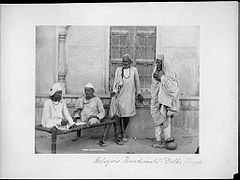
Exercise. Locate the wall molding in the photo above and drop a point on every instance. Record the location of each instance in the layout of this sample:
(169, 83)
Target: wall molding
(187, 103)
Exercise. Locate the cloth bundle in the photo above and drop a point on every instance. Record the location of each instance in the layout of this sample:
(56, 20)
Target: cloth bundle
(168, 91)
(114, 109)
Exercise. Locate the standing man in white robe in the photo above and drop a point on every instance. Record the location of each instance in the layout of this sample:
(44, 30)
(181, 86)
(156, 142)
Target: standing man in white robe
(126, 87)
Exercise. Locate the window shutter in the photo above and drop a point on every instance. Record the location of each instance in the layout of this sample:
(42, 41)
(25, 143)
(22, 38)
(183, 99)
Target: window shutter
(145, 54)
(140, 43)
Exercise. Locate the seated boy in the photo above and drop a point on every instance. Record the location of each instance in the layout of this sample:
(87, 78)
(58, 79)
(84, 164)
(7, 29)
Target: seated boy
(89, 107)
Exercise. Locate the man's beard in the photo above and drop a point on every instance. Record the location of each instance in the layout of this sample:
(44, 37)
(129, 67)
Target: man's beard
(56, 98)
(88, 96)
(126, 67)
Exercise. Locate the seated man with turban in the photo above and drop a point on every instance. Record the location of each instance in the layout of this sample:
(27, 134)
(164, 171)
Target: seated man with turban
(55, 112)
(89, 107)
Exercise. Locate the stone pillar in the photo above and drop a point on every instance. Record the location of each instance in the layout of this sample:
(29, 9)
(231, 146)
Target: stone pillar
(62, 66)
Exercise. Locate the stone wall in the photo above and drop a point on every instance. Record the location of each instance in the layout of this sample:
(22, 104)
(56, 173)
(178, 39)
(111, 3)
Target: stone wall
(46, 58)
(180, 46)
(87, 54)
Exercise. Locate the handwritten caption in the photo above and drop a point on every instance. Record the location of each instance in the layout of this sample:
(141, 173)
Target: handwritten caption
(106, 161)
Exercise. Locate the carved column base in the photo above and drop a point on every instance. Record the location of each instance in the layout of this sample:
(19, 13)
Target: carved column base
(62, 80)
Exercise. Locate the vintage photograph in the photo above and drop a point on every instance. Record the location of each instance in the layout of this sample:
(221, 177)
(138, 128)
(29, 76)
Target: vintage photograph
(117, 89)
(129, 90)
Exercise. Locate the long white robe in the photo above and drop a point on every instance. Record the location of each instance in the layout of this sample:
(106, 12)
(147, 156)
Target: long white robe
(126, 89)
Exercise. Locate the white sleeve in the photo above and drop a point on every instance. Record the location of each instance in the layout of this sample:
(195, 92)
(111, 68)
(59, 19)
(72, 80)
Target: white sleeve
(79, 103)
(137, 81)
(101, 109)
(115, 83)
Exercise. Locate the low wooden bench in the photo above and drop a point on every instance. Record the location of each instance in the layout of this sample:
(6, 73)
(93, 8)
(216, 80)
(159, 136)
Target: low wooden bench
(104, 122)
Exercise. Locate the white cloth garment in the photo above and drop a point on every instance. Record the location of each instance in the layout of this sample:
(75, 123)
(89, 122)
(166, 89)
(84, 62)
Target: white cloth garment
(90, 107)
(114, 109)
(164, 95)
(165, 130)
(53, 114)
(126, 88)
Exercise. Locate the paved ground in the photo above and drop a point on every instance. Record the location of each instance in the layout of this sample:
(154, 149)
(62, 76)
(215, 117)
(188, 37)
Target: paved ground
(68, 144)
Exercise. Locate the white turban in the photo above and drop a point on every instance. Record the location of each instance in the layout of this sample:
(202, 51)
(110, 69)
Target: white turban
(127, 56)
(89, 85)
(55, 87)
